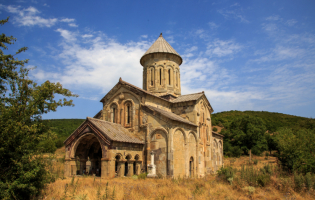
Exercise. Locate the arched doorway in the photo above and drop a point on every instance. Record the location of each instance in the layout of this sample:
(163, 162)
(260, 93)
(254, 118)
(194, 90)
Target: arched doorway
(191, 167)
(159, 147)
(89, 153)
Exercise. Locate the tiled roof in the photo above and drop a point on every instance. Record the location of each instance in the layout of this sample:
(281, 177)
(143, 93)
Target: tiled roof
(161, 46)
(113, 131)
(170, 115)
(137, 88)
(187, 97)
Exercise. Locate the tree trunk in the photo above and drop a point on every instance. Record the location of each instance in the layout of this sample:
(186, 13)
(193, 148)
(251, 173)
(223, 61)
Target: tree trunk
(250, 155)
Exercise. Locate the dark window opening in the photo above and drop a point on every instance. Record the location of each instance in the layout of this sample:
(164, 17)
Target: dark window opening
(114, 115)
(169, 77)
(160, 76)
(128, 114)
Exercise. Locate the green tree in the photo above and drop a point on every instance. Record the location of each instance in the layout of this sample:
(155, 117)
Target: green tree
(296, 149)
(22, 102)
(247, 132)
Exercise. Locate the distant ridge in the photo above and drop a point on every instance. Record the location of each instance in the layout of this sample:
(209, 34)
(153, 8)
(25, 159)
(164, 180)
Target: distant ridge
(273, 120)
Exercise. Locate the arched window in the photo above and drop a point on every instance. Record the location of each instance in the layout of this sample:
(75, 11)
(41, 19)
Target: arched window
(176, 73)
(128, 114)
(113, 113)
(152, 76)
(160, 76)
(169, 76)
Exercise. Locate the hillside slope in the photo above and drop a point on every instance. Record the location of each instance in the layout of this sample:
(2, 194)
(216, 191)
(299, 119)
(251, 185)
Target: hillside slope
(273, 120)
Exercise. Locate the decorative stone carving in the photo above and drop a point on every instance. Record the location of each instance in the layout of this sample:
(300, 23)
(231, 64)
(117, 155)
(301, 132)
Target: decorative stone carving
(121, 96)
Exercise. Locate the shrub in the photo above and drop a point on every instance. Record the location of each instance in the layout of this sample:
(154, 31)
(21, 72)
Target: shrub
(227, 173)
(59, 143)
(215, 129)
(47, 146)
(298, 181)
(255, 162)
(308, 181)
(142, 176)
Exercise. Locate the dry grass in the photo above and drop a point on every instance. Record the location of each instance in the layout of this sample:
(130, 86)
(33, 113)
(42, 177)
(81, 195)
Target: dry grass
(209, 187)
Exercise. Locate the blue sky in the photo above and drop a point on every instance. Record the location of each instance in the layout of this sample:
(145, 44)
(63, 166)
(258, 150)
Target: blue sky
(245, 55)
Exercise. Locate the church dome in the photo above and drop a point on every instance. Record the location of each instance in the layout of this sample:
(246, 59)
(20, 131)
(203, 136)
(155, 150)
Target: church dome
(161, 46)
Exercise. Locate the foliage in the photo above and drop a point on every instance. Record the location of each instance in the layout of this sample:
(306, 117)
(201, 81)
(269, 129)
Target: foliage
(296, 149)
(227, 173)
(22, 102)
(246, 132)
(273, 121)
(142, 176)
(215, 129)
(62, 129)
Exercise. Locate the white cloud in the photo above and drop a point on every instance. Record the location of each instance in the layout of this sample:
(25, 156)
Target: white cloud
(73, 25)
(87, 35)
(291, 22)
(67, 35)
(144, 36)
(67, 20)
(235, 13)
(98, 66)
(223, 48)
(28, 17)
(213, 25)
(273, 18)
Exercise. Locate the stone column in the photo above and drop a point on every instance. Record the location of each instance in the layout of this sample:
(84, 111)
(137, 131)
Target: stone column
(121, 168)
(130, 168)
(151, 167)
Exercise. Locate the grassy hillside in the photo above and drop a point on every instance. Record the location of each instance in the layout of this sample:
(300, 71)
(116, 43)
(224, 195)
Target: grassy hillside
(64, 127)
(273, 120)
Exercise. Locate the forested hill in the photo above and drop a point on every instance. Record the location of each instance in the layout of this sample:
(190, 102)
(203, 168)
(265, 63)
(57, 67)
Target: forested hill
(64, 127)
(273, 120)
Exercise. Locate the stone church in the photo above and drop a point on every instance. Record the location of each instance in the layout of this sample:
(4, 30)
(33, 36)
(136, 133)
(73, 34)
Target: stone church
(157, 119)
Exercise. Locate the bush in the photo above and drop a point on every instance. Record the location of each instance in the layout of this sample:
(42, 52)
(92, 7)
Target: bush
(47, 146)
(215, 129)
(308, 181)
(142, 176)
(298, 181)
(227, 173)
(255, 162)
(59, 143)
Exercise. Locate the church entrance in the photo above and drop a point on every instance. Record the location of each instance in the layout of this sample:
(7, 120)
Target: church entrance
(191, 167)
(88, 156)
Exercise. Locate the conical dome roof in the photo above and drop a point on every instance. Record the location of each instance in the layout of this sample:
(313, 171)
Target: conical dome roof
(161, 46)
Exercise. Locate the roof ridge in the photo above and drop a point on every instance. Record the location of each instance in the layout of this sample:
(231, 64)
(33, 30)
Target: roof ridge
(191, 94)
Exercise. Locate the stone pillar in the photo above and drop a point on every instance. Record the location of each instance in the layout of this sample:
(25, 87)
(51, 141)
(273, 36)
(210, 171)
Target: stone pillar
(130, 168)
(105, 168)
(121, 168)
(138, 167)
(151, 167)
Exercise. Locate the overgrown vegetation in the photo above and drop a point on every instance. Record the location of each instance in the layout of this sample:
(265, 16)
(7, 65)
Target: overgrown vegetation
(290, 138)
(22, 102)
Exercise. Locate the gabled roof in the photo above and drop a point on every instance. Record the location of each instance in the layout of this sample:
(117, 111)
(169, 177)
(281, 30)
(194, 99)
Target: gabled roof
(115, 132)
(169, 115)
(161, 46)
(187, 97)
(108, 130)
(132, 86)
